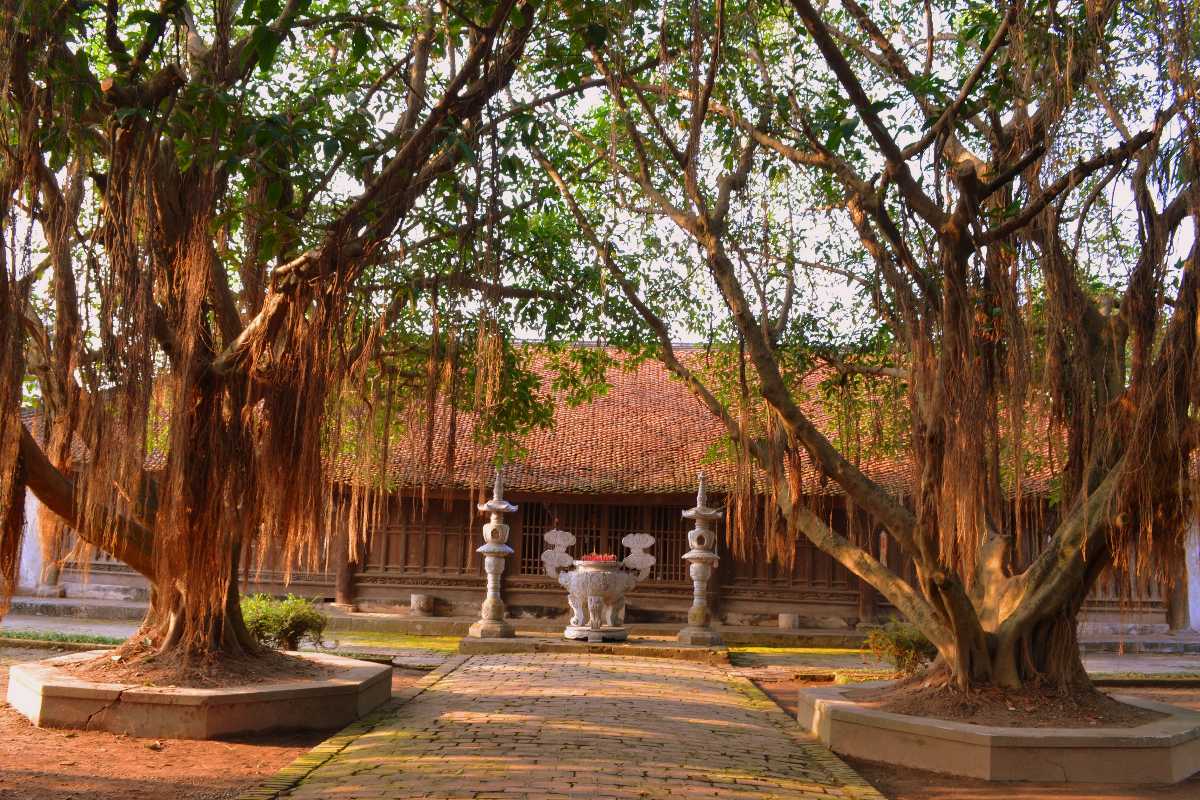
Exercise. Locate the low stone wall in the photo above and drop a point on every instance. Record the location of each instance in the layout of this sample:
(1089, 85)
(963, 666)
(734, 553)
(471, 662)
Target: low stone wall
(1164, 751)
(52, 697)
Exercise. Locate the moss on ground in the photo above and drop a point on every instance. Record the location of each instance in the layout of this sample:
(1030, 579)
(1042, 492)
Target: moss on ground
(394, 641)
(798, 651)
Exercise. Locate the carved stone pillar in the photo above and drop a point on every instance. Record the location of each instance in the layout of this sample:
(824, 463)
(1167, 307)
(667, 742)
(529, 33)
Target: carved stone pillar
(495, 552)
(702, 562)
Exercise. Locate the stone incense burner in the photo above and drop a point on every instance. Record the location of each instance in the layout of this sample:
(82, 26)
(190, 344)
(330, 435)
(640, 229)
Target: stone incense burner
(596, 588)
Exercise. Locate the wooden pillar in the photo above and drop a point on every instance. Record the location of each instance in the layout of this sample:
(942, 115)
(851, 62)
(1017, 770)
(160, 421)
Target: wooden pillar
(344, 569)
(866, 601)
(1178, 618)
(866, 592)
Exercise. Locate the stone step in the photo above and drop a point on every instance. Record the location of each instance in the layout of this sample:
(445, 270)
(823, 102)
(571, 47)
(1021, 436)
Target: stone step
(77, 607)
(106, 591)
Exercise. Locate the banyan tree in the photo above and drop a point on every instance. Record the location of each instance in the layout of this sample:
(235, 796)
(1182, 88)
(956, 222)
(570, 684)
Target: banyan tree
(986, 212)
(238, 235)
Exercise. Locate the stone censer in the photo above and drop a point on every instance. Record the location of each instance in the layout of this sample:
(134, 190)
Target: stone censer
(596, 585)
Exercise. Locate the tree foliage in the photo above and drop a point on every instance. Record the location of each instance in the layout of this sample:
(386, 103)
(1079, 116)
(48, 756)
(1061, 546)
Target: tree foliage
(261, 229)
(1008, 195)
(967, 228)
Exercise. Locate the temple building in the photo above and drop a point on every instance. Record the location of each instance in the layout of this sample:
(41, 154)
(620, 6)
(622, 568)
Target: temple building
(625, 462)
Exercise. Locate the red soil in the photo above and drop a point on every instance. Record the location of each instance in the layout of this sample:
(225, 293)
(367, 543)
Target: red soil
(131, 664)
(1032, 708)
(47, 764)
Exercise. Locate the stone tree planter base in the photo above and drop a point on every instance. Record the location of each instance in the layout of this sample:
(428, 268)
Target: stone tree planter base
(1164, 751)
(52, 697)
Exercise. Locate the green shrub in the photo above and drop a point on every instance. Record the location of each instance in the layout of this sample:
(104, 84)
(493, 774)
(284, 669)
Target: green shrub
(283, 623)
(902, 645)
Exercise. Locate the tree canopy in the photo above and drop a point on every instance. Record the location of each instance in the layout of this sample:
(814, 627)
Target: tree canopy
(268, 226)
(1009, 193)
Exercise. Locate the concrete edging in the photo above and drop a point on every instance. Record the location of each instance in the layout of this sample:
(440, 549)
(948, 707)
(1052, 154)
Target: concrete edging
(53, 698)
(290, 776)
(1162, 751)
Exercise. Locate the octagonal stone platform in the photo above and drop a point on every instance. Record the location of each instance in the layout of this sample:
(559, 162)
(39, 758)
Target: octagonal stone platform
(1166, 750)
(52, 697)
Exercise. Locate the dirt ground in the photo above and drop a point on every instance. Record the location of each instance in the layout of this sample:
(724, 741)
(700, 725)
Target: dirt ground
(899, 783)
(1034, 708)
(47, 764)
(136, 664)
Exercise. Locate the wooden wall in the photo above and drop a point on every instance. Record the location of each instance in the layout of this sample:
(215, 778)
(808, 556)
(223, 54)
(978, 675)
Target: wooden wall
(428, 546)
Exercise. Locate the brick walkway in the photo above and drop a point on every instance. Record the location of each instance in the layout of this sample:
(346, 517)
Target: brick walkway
(564, 726)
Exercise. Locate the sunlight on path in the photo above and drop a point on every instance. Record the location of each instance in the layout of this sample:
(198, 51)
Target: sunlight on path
(540, 726)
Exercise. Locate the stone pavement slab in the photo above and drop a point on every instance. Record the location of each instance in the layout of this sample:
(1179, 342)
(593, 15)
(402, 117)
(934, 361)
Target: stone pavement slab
(565, 726)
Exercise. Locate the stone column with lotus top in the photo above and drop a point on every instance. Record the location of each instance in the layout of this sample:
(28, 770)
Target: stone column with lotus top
(495, 552)
(702, 562)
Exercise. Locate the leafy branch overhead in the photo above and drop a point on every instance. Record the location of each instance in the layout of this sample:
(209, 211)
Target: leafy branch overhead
(954, 202)
(259, 223)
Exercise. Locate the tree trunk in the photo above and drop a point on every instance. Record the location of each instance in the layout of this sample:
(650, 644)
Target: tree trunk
(1046, 654)
(171, 630)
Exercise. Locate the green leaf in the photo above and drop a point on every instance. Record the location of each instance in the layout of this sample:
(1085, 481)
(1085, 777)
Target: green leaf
(268, 10)
(264, 44)
(146, 16)
(360, 43)
(595, 35)
(835, 138)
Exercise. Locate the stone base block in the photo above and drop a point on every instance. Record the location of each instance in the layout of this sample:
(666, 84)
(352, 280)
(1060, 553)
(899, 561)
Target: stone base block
(602, 634)
(52, 697)
(491, 629)
(1164, 751)
(701, 636)
(420, 605)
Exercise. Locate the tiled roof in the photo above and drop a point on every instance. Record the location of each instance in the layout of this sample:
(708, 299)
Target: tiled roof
(647, 435)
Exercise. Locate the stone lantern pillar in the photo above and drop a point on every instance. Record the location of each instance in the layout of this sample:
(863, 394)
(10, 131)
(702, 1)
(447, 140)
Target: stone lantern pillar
(702, 562)
(495, 551)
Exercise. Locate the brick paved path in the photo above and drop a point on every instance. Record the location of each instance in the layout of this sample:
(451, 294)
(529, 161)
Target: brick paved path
(561, 726)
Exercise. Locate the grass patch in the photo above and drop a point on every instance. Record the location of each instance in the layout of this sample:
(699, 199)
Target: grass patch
(54, 636)
(755, 656)
(396, 641)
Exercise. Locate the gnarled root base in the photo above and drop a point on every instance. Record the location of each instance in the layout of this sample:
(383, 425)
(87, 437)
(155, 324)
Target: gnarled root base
(1046, 655)
(200, 651)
